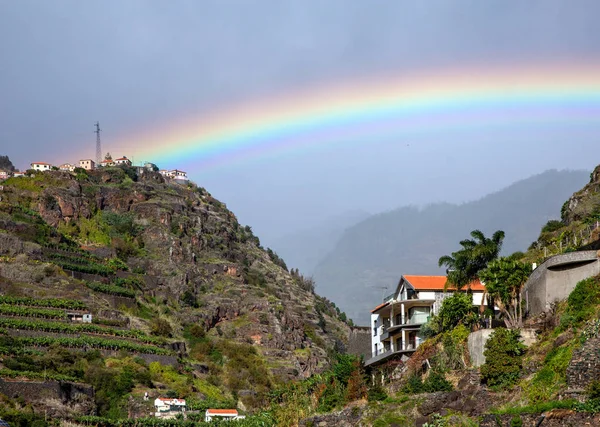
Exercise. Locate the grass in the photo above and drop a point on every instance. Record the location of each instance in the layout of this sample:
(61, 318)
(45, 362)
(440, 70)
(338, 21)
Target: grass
(537, 408)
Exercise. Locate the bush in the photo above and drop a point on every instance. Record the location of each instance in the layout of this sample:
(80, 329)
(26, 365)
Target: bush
(161, 328)
(436, 381)
(582, 301)
(552, 225)
(376, 394)
(455, 309)
(503, 358)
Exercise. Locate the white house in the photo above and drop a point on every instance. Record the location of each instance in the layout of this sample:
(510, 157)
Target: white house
(396, 322)
(17, 174)
(168, 408)
(178, 175)
(67, 167)
(4, 174)
(108, 161)
(222, 414)
(87, 164)
(41, 166)
(80, 317)
(123, 161)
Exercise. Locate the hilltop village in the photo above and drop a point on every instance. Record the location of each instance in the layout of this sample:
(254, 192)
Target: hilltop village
(89, 164)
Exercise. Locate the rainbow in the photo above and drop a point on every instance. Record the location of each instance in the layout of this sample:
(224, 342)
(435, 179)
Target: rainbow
(470, 99)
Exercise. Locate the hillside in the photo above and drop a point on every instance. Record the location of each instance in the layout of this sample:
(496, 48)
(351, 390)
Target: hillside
(184, 300)
(374, 253)
(577, 227)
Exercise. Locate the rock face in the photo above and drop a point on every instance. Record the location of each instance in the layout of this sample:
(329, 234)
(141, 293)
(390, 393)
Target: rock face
(349, 417)
(556, 418)
(198, 261)
(584, 366)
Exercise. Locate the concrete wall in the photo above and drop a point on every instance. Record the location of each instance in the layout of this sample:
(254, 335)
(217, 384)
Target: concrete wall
(476, 343)
(359, 341)
(555, 279)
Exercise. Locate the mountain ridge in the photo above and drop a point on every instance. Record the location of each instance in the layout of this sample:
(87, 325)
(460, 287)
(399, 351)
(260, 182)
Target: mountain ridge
(376, 251)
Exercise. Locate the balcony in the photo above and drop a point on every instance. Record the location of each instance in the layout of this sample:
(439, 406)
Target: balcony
(388, 331)
(407, 347)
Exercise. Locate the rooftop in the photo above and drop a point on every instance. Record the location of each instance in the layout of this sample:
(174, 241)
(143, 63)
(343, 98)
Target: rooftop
(437, 283)
(222, 411)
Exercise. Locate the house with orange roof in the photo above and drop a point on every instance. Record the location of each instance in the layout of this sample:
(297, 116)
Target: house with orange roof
(123, 161)
(222, 414)
(397, 320)
(168, 408)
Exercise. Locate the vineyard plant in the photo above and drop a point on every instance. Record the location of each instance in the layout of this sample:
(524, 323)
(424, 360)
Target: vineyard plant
(93, 342)
(67, 304)
(70, 328)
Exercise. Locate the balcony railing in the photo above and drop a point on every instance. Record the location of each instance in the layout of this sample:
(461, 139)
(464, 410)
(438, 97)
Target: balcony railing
(406, 346)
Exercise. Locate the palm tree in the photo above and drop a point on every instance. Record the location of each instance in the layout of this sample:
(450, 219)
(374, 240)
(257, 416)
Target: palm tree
(464, 265)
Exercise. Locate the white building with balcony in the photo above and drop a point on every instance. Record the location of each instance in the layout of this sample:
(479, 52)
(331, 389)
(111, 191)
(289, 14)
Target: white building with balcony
(396, 322)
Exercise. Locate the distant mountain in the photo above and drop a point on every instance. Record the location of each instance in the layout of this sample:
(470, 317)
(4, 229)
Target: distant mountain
(306, 248)
(375, 252)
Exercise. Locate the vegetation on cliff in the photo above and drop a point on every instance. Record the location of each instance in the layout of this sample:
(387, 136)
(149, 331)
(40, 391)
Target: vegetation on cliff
(184, 299)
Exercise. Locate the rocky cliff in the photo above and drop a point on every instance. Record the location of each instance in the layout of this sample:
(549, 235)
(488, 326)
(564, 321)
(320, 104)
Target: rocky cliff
(171, 261)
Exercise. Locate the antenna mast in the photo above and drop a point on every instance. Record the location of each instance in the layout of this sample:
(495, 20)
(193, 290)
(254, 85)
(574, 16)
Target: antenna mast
(98, 144)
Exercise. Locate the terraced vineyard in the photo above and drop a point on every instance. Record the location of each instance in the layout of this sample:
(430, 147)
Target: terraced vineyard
(93, 342)
(54, 321)
(50, 302)
(78, 328)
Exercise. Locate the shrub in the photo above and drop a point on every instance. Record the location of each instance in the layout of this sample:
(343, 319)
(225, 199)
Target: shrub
(436, 381)
(376, 394)
(552, 225)
(503, 358)
(161, 327)
(582, 301)
(454, 309)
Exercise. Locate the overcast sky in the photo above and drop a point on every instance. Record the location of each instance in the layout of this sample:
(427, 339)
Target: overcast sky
(132, 64)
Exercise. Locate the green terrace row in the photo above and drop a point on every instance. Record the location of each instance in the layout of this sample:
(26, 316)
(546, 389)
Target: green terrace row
(89, 267)
(67, 304)
(92, 342)
(73, 328)
(46, 313)
(9, 373)
(110, 289)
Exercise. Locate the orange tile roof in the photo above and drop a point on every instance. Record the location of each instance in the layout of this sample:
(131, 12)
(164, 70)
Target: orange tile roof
(222, 411)
(436, 283)
(379, 306)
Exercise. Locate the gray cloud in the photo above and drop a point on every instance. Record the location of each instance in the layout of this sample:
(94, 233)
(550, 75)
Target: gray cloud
(133, 64)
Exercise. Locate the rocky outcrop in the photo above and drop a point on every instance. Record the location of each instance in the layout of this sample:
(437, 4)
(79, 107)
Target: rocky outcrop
(199, 263)
(584, 366)
(555, 418)
(348, 417)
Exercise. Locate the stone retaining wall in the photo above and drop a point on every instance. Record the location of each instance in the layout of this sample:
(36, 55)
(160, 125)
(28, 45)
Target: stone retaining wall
(584, 366)
(36, 390)
(359, 341)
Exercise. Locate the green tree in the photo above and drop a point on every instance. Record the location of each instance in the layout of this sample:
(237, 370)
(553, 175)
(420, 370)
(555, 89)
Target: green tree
(504, 278)
(454, 309)
(503, 358)
(464, 265)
